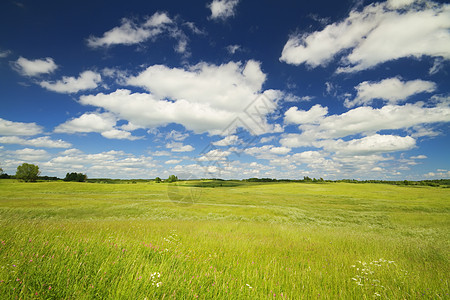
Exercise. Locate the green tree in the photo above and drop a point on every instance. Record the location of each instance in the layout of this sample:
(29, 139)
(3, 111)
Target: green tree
(27, 172)
(80, 177)
(172, 178)
(157, 180)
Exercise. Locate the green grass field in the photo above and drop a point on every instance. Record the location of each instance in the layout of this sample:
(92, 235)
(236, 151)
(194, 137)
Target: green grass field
(62, 240)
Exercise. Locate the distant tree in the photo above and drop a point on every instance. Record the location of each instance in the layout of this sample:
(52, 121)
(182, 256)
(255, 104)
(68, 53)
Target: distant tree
(79, 177)
(306, 178)
(27, 172)
(48, 178)
(157, 180)
(172, 178)
(3, 175)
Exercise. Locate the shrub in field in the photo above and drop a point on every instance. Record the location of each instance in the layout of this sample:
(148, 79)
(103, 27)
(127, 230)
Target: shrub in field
(172, 178)
(27, 172)
(79, 177)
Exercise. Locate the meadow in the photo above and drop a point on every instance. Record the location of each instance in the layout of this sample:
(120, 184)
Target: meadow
(197, 240)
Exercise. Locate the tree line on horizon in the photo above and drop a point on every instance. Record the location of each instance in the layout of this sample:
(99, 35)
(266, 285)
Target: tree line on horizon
(30, 173)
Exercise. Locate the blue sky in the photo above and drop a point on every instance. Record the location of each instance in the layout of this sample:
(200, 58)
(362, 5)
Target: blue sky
(226, 88)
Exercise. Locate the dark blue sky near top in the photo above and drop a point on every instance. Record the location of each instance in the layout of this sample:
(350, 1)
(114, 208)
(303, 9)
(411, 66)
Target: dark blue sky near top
(60, 30)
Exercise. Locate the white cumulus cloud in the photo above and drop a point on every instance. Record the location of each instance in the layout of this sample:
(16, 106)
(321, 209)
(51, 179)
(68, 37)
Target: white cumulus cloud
(373, 144)
(314, 115)
(86, 81)
(419, 157)
(131, 33)
(44, 142)
(267, 151)
(19, 128)
(215, 155)
(363, 120)
(222, 9)
(379, 33)
(227, 141)
(128, 33)
(172, 161)
(393, 90)
(202, 98)
(103, 123)
(35, 67)
(399, 3)
(179, 147)
(119, 135)
(31, 155)
(88, 122)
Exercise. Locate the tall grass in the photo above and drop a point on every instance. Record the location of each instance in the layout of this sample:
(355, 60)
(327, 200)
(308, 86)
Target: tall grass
(259, 241)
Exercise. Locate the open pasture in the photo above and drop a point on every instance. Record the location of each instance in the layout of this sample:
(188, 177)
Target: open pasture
(61, 240)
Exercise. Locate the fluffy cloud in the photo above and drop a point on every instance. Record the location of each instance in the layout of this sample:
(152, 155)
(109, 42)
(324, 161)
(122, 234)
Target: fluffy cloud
(227, 141)
(267, 139)
(158, 19)
(179, 147)
(267, 151)
(369, 145)
(4, 53)
(392, 90)
(44, 142)
(31, 155)
(367, 120)
(222, 9)
(395, 4)
(160, 153)
(232, 49)
(34, 67)
(19, 128)
(202, 98)
(419, 157)
(380, 32)
(173, 161)
(95, 122)
(440, 173)
(280, 150)
(312, 116)
(202, 80)
(215, 155)
(177, 136)
(88, 122)
(119, 135)
(86, 81)
(130, 33)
